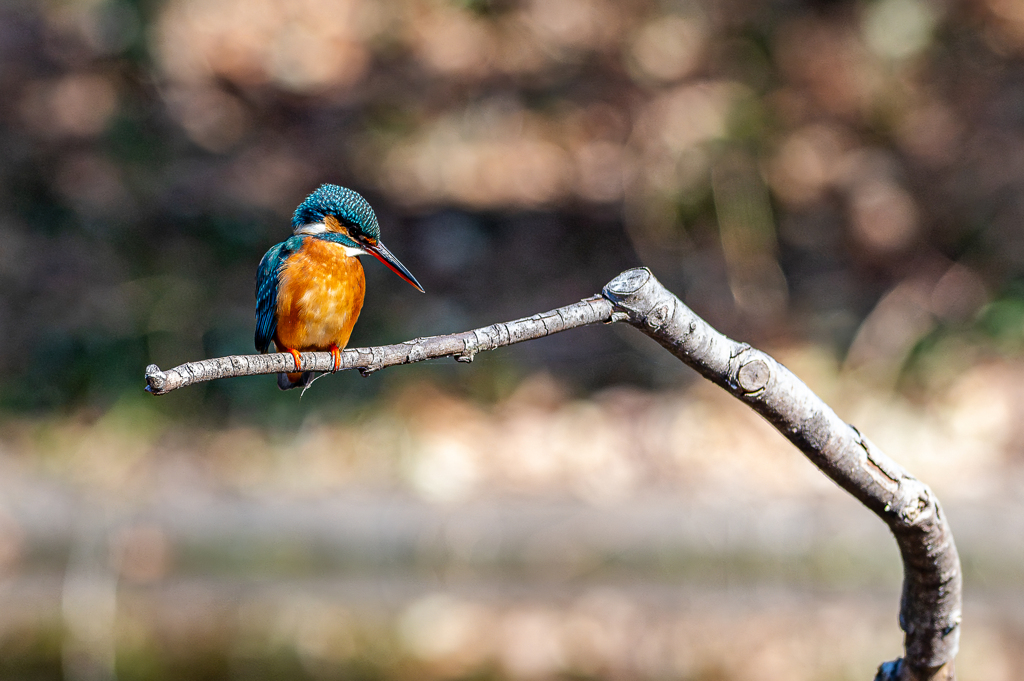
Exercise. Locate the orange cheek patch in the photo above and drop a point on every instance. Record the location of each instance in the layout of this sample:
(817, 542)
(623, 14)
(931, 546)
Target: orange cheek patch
(333, 225)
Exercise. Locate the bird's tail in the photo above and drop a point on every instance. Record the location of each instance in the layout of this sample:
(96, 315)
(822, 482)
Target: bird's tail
(296, 380)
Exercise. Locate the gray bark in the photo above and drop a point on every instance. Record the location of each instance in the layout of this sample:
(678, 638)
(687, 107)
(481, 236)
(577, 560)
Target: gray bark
(462, 346)
(931, 600)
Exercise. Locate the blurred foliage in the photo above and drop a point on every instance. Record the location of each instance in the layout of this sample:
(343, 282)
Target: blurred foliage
(787, 167)
(1003, 319)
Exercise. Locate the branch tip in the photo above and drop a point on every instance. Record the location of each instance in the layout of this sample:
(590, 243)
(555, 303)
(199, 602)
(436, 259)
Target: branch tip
(156, 379)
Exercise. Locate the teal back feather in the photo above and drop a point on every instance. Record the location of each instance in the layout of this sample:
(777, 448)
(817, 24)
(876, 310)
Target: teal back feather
(268, 279)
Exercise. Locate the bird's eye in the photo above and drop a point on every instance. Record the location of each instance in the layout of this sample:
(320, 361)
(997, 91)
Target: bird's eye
(361, 237)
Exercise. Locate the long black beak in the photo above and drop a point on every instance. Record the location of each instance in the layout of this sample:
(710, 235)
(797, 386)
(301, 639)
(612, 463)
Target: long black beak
(378, 251)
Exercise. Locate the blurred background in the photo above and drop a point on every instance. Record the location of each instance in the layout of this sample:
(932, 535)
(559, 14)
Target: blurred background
(839, 182)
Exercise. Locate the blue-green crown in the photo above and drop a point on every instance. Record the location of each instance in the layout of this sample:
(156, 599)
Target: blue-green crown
(348, 206)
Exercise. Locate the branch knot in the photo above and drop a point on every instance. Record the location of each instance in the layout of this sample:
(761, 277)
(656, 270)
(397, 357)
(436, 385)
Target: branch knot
(657, 317)
(753, 376)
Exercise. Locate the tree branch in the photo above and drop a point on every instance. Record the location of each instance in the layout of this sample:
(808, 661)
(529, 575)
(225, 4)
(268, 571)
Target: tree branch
(931, 600)
(462, 346)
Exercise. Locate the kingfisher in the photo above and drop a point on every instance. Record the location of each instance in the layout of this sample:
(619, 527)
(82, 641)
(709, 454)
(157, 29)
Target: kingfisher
(310, 288)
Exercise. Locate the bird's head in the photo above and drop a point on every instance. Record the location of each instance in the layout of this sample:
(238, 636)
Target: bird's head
(342, 216)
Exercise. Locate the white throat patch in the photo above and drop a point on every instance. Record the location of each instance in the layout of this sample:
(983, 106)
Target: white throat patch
(313, 228)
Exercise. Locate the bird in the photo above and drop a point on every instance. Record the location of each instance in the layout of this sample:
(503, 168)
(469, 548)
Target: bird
(310, 287)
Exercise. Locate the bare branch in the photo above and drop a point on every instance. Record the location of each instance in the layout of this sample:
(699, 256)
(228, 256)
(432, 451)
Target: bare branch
(462, 346)
(931, 600)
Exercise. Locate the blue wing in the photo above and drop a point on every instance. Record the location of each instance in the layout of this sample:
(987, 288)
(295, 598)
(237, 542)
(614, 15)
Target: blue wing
(267, 278)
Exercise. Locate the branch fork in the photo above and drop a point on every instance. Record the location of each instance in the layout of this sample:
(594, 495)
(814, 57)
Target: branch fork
(930, 605)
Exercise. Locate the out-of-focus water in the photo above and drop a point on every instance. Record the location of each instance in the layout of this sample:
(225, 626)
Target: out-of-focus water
(393, 587)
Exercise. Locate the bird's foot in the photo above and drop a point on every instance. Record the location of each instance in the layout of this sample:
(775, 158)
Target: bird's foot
(336, 356)
(297, 357)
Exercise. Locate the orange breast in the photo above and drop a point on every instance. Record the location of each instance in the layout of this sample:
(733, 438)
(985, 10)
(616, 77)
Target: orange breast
(319, 297)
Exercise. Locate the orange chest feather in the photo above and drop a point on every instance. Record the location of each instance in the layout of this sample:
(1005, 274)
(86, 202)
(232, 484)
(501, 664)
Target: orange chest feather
(319, 297)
